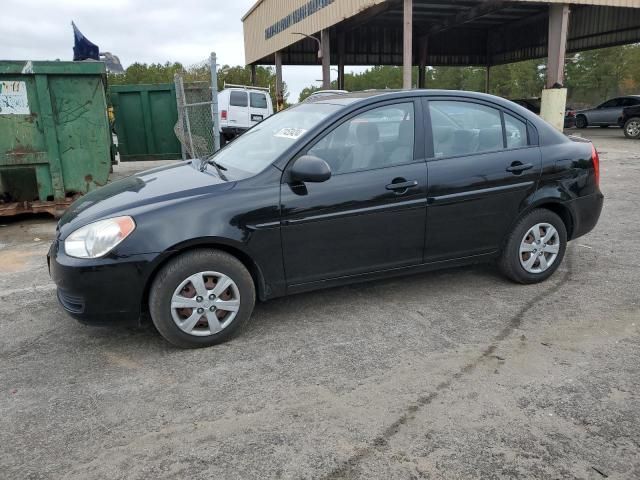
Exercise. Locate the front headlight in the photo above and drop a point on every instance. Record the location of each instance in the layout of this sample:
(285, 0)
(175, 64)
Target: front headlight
(98, 238)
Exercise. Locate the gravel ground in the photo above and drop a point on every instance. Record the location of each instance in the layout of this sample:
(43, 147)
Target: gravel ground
(453, 374)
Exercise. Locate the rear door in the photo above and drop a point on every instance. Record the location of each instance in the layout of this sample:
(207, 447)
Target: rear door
(238, 109)
(482, 167)
(258, 109)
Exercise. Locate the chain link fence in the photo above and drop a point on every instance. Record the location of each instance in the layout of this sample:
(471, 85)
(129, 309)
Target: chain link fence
(197, 115)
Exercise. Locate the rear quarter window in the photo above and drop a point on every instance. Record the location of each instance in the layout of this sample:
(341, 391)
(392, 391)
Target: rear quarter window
(238, 99)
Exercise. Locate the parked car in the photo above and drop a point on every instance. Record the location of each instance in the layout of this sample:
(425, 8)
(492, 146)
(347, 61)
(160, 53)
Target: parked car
(324, 93)
(317, 197)
(606, 114)
(630, 121)
(240, 107)
(534, 105)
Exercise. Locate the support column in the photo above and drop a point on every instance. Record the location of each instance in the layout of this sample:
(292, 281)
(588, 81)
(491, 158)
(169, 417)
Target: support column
(254, 79)
(554, 97)
(341, 48)
(422, 64)
(325, 46)
(487, 78)
(279, 94)
(407, 44)
(558, 28)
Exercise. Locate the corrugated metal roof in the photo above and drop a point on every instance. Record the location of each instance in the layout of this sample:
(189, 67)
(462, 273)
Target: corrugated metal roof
(460, 32)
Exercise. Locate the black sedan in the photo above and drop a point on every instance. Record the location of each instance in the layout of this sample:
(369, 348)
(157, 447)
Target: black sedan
(340, 190)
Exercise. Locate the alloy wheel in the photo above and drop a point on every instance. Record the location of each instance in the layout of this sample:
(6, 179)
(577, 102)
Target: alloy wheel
(633, 128)
(205, 303)
(539, 248)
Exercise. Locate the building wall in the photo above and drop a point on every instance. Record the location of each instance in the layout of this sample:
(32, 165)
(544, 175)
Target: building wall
(266, 13)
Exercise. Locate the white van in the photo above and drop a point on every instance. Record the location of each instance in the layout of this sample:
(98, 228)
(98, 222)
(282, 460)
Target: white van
(240, 107)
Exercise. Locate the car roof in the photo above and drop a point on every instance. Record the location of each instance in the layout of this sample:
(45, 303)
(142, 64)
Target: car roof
(370, 96)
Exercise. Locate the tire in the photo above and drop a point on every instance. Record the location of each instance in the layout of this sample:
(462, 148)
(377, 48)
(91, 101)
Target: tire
(223, 140)
(173, 284)
(632, 128)
(581, 121)
(512, 258)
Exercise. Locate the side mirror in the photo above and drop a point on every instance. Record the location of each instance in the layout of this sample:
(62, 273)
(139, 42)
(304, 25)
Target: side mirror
(309, 168)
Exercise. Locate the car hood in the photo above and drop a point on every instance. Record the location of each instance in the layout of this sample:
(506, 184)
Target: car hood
(138, 192)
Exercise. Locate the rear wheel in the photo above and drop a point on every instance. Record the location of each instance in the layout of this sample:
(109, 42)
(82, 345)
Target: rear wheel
(535, 247)
(581, 121)
(632, 128)
(201, 298)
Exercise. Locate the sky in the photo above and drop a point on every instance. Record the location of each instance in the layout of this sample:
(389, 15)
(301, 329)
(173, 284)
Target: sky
(185, 31)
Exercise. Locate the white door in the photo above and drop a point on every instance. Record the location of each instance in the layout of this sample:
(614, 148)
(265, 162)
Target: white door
(258, 109)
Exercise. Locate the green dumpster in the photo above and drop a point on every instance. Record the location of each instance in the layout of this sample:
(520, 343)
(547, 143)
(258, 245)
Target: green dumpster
(55, 140)
(145, 117)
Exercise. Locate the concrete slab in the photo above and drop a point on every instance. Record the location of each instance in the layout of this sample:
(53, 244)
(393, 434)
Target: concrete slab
(454, 374)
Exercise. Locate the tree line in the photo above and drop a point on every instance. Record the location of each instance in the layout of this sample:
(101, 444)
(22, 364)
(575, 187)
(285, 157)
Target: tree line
(590, 77)
(154, 73)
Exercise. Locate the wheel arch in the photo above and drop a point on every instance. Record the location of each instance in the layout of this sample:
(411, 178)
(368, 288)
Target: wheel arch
(556, 206)
(214, 243)
(583, 115)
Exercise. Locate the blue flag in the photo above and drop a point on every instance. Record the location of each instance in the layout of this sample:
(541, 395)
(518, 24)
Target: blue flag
(82, 47)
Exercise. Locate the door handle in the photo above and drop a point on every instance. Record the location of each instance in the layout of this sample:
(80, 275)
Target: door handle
(517, 167)
(402, 185)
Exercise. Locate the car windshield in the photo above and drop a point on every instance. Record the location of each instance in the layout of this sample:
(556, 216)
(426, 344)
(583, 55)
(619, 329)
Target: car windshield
(263, 144)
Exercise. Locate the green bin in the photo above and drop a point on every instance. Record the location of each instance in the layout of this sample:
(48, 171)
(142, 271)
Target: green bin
(55, 140)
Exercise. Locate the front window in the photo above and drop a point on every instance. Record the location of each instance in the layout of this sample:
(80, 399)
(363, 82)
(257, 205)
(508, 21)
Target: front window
(378, 138)
(263, 144)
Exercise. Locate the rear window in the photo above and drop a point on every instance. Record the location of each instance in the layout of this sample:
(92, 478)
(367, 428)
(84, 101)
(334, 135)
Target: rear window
(258, 100)
(238, 99)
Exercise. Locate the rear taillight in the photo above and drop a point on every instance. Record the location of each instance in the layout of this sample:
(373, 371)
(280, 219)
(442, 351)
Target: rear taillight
(223, 114)
(595, 158)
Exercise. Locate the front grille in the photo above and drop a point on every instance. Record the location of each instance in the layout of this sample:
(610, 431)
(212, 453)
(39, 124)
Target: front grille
(71, 303)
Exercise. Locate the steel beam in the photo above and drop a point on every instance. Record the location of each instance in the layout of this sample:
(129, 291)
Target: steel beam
(341, 48)
(558, 28)
(279, 94)
(326, 58)
(407, 45)
(422, 63)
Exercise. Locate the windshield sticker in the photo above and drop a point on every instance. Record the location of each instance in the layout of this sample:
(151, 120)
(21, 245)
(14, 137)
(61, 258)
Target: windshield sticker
(292, 133)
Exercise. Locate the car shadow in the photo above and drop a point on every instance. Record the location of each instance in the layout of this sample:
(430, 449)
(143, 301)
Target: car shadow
(270, 315)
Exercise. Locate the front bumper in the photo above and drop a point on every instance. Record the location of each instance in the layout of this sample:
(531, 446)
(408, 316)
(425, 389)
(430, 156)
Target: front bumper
(103, 290)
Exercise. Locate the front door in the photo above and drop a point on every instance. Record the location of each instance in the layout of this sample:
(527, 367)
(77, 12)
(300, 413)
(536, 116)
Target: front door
(482, 169)
(370, 215)
(607, 113)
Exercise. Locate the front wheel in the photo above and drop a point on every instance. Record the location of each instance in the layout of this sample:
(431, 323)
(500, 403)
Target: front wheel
(632, 128)
(581, 121)
(535, 247)
(201, 298)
